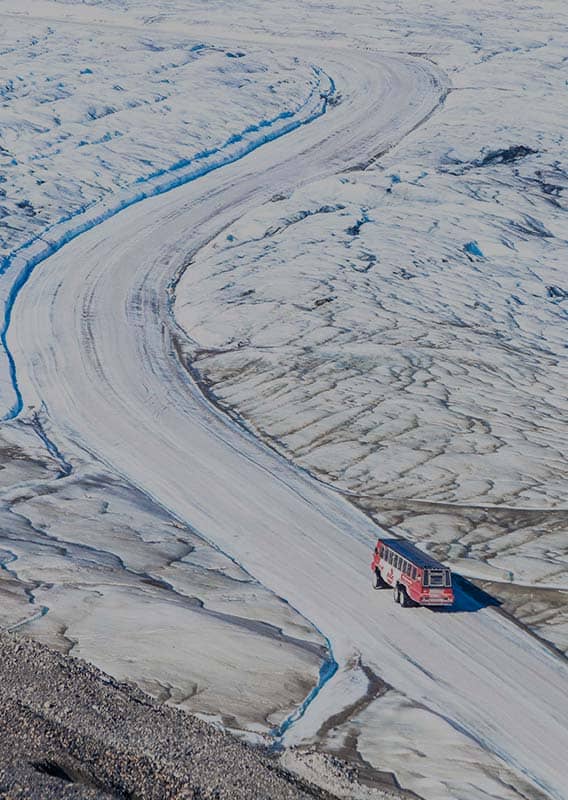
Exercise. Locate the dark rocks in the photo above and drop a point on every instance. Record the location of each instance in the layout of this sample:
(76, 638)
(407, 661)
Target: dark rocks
(557, 293)
(69, 731)
(506, 155)
(503, 155)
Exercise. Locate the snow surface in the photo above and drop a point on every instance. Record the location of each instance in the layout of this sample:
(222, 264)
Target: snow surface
(96, 347)
(400, 331)
(83, 136)
(92, 567)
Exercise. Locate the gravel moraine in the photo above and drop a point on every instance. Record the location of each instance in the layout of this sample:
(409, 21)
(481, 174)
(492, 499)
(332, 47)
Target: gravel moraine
(67, 730)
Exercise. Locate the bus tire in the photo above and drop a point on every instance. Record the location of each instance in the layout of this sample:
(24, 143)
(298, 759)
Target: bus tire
(378, 582)
(405, 601)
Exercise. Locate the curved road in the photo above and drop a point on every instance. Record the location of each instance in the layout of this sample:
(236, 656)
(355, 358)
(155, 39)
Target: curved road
(92, 339)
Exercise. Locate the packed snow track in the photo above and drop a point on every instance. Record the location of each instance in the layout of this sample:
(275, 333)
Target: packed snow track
(93, 340)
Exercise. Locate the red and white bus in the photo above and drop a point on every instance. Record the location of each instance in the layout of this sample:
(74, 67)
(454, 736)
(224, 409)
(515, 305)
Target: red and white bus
(416, 578)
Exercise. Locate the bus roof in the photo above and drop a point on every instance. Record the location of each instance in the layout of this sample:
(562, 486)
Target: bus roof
(412, 553)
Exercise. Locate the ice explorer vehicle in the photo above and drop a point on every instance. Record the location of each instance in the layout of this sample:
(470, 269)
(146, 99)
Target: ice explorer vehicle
(416, 578)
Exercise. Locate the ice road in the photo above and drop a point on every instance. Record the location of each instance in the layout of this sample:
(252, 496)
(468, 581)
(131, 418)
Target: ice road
(94, 340)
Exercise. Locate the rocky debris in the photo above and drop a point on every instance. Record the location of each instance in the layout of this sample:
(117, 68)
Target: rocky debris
(337, 775)
(67, 730)
(504, 155)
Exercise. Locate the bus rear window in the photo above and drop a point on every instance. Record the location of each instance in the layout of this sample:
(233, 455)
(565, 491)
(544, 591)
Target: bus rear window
(437, 577)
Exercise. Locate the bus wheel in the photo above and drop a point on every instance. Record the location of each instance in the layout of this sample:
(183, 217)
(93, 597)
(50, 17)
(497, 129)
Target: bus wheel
(404, 600)
(378, 582)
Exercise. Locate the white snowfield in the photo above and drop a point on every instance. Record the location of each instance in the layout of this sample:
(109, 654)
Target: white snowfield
(93, 340)
(96, 115)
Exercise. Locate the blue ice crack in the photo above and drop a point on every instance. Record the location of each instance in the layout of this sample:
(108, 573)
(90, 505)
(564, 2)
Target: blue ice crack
(25, 258)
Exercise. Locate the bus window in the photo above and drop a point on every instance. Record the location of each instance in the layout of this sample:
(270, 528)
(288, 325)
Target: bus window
(437, 577)
(414, 573)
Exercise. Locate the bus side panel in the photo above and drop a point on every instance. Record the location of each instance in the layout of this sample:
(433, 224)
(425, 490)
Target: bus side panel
(414, 589)
(376, 562)
(390, 575)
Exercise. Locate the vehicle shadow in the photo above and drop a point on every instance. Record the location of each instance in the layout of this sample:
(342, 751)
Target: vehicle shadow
(468, 598)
